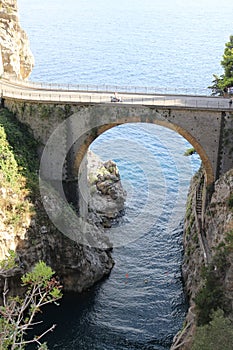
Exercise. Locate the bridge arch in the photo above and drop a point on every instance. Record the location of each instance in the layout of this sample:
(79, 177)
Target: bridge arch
(204, 128)
(97, 131)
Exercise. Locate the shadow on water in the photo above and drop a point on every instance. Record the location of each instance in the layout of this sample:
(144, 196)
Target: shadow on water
(72, 319)
(122, 312)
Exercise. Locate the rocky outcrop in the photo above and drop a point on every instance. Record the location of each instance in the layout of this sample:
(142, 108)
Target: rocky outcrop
(25, 226)
(16, 59)
(208, 243)
(78, 266)
(215, 238)
(107, 196)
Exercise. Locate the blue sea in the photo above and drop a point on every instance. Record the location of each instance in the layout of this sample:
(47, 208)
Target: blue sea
(174, 45)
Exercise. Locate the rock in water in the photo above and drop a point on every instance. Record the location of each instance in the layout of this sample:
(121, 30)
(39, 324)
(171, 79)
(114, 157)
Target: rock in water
(107, 196)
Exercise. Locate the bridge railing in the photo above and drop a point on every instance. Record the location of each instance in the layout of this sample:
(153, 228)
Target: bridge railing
(112, 88)
(181, 101)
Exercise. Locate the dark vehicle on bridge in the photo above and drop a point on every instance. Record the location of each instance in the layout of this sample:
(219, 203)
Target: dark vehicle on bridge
(116, 98)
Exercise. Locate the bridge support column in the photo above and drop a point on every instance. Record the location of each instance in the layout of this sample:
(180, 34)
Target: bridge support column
(70, 187)
(75, 179)
(83, 190)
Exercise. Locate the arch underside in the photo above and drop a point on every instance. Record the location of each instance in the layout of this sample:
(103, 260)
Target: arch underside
(209, 174)
(205, 161)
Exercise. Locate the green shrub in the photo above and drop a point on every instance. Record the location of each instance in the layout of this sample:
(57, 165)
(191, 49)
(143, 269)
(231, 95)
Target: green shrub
(217, 335)
(17, 313)
(18, 151)
(211, 296)
(190, 151)
(224, 81)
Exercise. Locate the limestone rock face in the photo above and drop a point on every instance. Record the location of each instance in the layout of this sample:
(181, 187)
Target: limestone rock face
(218, 222)
(219, 218)
(79, 259)
(78, 266)
(16, 59)
(9, 235)
(217, 228)
(107, 195)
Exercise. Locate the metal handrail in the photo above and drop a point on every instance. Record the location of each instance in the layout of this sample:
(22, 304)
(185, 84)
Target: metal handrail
(159, 101)
(111, 88)
(31, 91)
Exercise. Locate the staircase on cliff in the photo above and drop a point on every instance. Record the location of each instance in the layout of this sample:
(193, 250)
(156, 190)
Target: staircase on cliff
(199, 211)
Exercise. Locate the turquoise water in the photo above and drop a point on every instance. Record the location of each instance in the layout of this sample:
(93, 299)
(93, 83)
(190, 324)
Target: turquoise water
(165, 44)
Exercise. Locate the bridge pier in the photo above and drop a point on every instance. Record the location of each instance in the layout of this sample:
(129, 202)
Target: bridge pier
(57, 168)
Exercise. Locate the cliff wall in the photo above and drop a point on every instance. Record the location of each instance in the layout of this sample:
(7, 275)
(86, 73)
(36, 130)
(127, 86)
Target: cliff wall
(24, 224)
(16, 59)
(208, 254)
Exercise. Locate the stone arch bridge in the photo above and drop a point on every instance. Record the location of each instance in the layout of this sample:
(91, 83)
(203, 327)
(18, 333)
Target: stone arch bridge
(206, 122)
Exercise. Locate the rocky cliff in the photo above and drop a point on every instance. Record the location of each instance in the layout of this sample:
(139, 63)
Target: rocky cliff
(25, 226)
(208, 254)
(16, 59)
(107, 195)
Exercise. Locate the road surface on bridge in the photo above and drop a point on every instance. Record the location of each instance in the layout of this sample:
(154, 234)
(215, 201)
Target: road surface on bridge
(28, 91)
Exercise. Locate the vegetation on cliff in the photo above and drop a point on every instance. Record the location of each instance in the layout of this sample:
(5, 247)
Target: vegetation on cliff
(222, 83)
(208, 264)
(211, 296)
(217, 283)
(17, 314)
(22, 148)
(217, 334)
(24, 223)
(18, 179)
(19, 189)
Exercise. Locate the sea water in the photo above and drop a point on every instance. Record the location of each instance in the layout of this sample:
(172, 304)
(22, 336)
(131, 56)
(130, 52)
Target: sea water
(172, 45)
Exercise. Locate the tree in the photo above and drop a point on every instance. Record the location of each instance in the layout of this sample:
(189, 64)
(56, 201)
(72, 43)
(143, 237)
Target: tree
(210, 296)
(17, 314)
(225, 81)
(217, 335)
